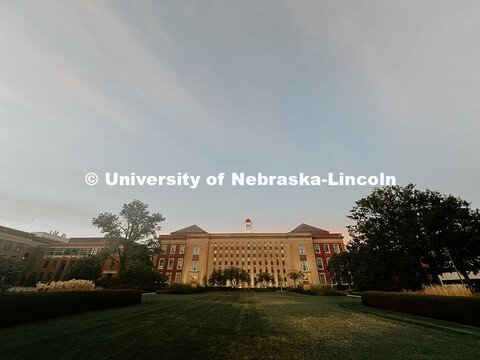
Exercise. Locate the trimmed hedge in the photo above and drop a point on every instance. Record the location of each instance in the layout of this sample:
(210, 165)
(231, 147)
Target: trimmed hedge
(19, 308)
(179, 288)
(459, 309)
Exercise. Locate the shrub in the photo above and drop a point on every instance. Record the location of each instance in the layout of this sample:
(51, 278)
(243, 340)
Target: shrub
(18, 308)
(318, 290)
(464, 310)
(325, 290)
(70, 285)
(179, 288)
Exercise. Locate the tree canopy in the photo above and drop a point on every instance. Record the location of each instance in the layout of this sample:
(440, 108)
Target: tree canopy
(402, 238)
(87, 268)
(10, 272)
(131, 235)
(265, 278)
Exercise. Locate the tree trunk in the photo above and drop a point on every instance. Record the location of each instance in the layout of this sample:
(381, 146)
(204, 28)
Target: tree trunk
(467, 279)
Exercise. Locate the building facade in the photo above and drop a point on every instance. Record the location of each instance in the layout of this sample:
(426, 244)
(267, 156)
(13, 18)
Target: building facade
(191, 254)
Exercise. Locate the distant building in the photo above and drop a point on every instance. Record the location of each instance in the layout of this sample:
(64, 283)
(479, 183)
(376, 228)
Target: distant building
(191, 254)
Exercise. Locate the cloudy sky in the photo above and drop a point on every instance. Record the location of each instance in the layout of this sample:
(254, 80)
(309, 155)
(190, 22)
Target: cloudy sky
(275, 87)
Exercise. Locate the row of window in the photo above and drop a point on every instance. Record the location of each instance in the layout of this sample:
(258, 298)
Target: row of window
(320, 263)
(178, 277)
(173, 249)
(170, 264)
(12, 246)
(248, 245)
(326, 248)
(73, 251)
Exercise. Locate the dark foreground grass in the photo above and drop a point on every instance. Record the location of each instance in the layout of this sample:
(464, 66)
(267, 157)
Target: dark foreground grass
(241, 325)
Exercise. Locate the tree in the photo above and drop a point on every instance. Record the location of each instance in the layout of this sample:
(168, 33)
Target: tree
(295, 276)
(131, 235)
(265, 278)
(401, 236)
(10, 272)
(141, 275)
(340, 268)
(87, 268)
(236, 275)
(217, 278)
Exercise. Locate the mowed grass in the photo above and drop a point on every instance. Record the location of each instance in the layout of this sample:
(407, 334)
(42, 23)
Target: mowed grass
(241, 325)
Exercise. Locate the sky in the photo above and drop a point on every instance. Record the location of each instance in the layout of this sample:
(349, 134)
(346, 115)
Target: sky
(278, 87)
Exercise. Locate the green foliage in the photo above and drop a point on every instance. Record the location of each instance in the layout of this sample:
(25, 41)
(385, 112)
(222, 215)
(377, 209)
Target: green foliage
(402, 235)
(179, 288)
(326, 290)
(318, 290)
(463, 310)
(131, 235)
(340, 267)
(265, 278)
(142, 276)
(217, 278)
(87, 268)
(10, 272)
(295, 276)
(236, 275)
(18, 308)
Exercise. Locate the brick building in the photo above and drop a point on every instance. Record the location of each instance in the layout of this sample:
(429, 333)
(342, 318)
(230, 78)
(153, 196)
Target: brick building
(191, 254)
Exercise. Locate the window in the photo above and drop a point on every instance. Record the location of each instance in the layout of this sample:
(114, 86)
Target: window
(55, 262)
(173, 249)
(319, 264)
(46, 263)
(179, 264)
(301, 249)
(328, 260)
(326, 248)
(178, 277)
(322, 278)
(161, 263)
(316, 247)
(196, 250)
(304, 265)
(336, 248)
(194, 265)
(182, 249)
(170, 264)
(164, 249)
(169, 278)
(112, 264)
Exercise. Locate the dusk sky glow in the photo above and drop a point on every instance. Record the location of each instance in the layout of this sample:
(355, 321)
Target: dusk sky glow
(162, 87)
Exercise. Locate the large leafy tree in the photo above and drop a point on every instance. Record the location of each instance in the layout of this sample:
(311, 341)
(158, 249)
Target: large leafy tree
(236, 275)
(295, 276)
(87, 268)
(340, 267)
(265, 278)
(131, 235)
(10, 272)
(217, 278)
(402, 238)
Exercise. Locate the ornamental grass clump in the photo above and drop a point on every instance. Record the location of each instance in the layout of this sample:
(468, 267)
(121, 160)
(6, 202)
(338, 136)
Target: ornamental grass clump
(446, 290)
(70, 285)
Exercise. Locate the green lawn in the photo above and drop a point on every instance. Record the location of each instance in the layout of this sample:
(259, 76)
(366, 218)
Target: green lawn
(241, 325)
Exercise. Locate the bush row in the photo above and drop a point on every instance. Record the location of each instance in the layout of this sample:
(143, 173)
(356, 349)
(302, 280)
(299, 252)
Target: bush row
(179, 288)
(18, 308)
(463, 310)
(318, 290)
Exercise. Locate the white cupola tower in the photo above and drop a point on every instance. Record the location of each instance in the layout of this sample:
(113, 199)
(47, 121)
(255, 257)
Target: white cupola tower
(248, 226)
